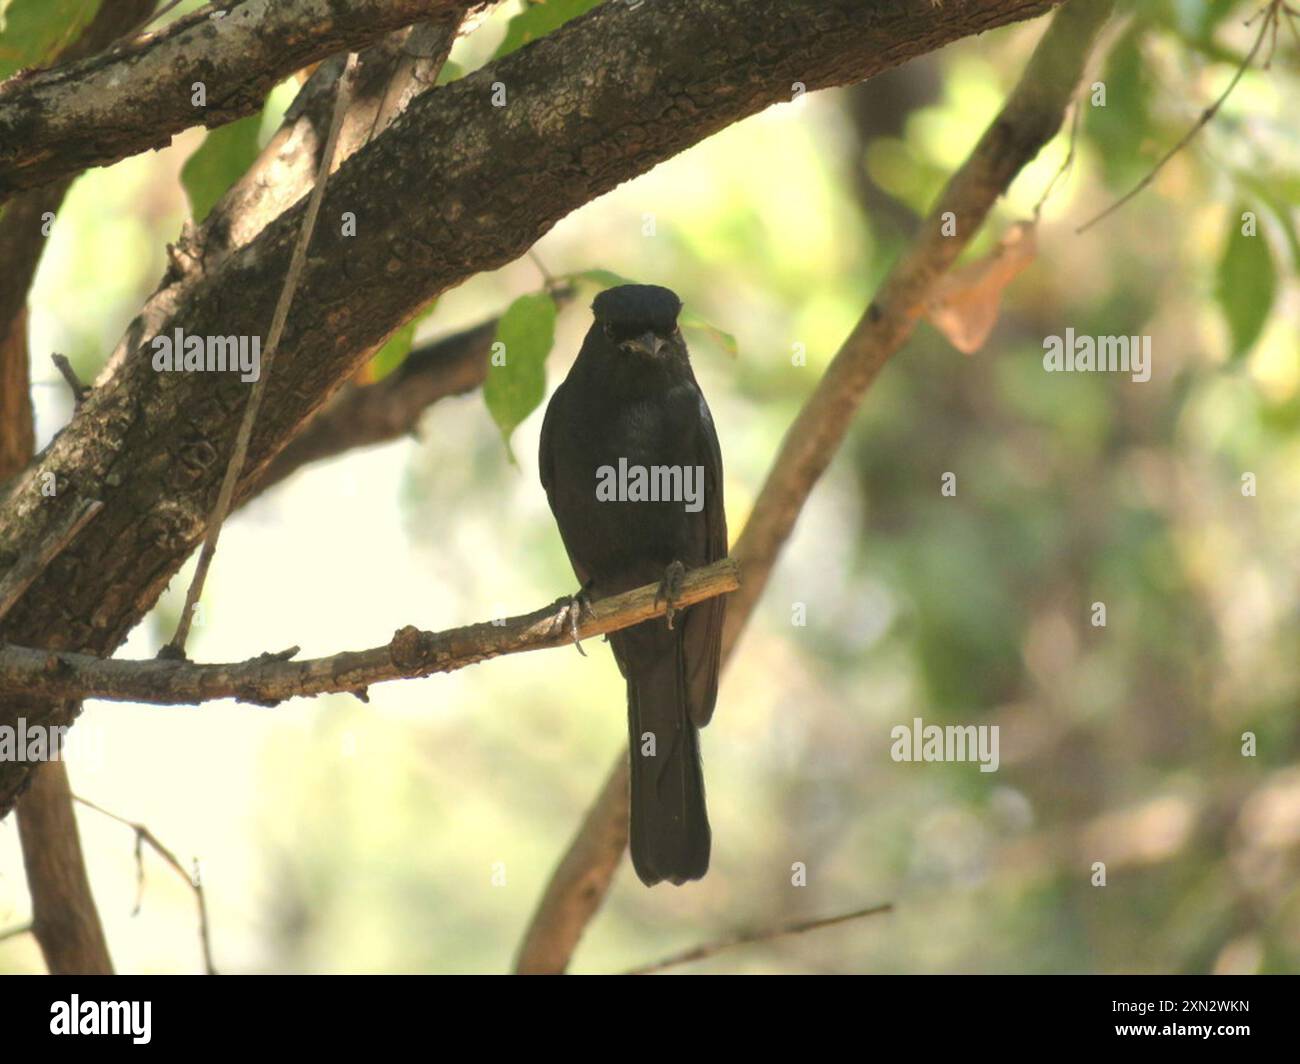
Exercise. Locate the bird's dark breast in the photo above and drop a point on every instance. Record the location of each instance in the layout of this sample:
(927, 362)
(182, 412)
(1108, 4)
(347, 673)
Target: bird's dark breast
(620, 543)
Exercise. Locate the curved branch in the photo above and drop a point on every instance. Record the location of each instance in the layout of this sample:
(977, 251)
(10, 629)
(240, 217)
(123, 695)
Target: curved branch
(58, 122)
(271, 678)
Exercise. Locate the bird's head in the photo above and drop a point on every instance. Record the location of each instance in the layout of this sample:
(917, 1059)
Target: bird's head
(640, 320)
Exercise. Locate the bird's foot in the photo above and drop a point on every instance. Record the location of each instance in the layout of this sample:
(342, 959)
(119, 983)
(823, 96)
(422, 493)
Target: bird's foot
(670, 588)
(571, 611)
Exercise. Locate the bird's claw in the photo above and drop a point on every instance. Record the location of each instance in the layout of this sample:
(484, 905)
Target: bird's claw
(670, 588)
(571, 612)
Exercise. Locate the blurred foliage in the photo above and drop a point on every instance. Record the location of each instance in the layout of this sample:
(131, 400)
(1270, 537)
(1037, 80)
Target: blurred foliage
(1246, 284)
(33, 32)
(222, 158)
(539, 18)
(351, 837)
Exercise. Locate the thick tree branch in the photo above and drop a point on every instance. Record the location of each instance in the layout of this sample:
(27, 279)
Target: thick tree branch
(1032, 115)
(271, 678)
(56, 123)
(457, 186)
(20, 576)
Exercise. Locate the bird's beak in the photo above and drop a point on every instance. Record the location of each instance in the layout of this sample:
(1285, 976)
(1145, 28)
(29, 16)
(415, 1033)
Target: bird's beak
(647, 344)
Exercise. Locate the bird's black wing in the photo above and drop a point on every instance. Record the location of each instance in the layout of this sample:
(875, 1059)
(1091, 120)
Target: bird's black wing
(547, 472)
(546, 446)
(703, 623)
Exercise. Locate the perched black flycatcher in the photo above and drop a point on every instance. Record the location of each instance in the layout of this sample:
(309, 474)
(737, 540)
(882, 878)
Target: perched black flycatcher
(631, 467)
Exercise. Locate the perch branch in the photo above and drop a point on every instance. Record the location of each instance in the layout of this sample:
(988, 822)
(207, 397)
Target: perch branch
(271, 678)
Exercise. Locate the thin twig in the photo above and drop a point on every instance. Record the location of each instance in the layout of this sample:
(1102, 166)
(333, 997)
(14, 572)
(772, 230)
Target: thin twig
(547, 279)
(25, 571)
(16, 931)
(144, 835)
(1271, 13)
(745, 938)
(176, 648)
(1066, 164)
(79, 390)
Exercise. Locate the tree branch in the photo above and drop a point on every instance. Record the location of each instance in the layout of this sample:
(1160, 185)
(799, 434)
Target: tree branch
(748, 938)
(56, 123)
(23, 574)
(1030, 118)
(271, 678)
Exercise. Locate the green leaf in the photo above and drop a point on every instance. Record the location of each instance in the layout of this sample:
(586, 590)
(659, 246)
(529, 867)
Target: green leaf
(450, 72)
(539, 20)
(600, 278)
(1122, 127)
(1246, 284)
(1278, 204)
(397, 346)
(221, 160)
(393, 353)
(691, 320)
(516, 387)
(32, 32)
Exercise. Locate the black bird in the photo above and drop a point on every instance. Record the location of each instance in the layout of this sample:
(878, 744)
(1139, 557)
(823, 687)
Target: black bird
(631, 396)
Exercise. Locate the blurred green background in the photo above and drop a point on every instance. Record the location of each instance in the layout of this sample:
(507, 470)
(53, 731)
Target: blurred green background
(336, 836)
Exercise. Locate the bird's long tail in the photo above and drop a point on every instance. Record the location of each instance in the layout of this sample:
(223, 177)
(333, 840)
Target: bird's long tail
(669, 823)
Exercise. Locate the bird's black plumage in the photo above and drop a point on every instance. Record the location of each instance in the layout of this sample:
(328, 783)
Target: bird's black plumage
(631, 395)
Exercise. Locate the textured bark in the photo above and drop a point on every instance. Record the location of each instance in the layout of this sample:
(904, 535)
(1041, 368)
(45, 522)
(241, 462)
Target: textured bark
(457, 186)
(17, 433)
(56, 123)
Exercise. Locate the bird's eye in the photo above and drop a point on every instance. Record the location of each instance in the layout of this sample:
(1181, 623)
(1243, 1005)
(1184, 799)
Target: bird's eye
(609, 331)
